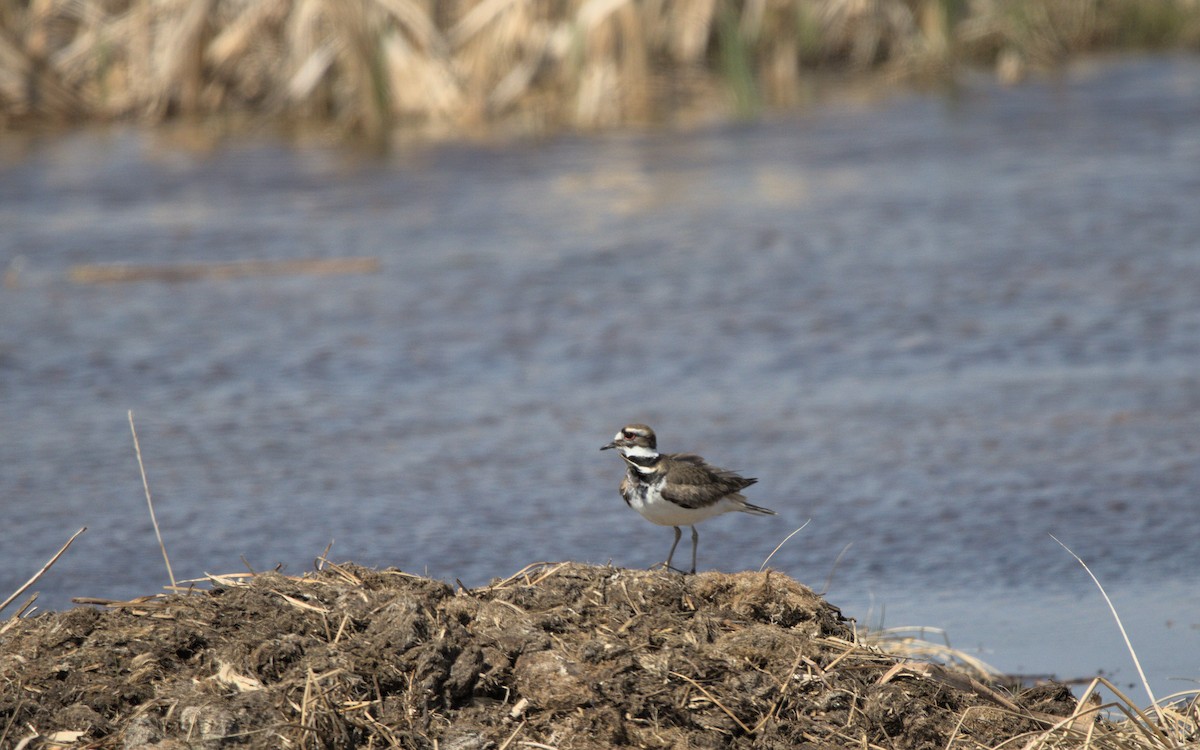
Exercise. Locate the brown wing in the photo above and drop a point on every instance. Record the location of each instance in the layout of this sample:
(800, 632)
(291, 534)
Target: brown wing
(693, 483)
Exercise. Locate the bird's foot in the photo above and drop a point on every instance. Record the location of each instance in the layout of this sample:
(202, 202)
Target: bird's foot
(668, 566)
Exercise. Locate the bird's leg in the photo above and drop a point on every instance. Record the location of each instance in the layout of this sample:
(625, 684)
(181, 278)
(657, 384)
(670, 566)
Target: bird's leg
(695, 543)
(674, 544)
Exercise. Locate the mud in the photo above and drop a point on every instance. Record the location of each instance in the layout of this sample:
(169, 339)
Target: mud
(559, 655)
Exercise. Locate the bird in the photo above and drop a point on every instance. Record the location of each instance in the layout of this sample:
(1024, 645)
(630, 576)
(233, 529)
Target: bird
(676, 489)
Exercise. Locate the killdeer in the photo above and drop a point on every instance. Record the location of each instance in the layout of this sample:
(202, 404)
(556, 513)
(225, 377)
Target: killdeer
(676, 489)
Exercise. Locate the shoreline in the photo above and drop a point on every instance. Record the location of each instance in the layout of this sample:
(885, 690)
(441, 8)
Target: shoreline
(411, 69)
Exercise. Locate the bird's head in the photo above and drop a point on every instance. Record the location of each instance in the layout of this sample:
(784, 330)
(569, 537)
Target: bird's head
(634, 439)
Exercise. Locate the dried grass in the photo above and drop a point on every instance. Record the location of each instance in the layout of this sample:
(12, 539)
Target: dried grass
(444, 67)
(558, 654)
(1170, 724)
(344, 656)
(1120, 725)
(37, 576)
(912, 643)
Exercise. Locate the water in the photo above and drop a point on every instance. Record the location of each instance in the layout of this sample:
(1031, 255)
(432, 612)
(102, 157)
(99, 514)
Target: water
(940, 328)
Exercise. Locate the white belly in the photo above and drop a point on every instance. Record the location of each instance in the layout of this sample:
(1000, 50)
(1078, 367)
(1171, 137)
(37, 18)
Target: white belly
(650, 503)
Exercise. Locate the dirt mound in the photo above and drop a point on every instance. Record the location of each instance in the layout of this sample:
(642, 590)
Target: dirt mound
(563, 655)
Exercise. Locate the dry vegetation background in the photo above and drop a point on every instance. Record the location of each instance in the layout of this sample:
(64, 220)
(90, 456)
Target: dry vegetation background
(445, 67)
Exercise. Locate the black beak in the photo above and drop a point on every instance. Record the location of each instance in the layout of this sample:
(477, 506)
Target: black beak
(613, 444)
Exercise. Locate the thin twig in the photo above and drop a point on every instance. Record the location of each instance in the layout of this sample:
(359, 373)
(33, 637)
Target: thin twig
(783, 688)
(39, 574)
(513, 736)
(833, 568)
(91, 273)
(1145, 683)
(16, 617)
(716, 702)
(319, 563)
(146, 486)
(785, 539)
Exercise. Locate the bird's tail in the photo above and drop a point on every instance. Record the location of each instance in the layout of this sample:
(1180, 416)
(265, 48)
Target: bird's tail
(755, 509)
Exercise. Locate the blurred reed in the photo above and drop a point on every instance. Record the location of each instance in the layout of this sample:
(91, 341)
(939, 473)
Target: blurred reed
(450, 67)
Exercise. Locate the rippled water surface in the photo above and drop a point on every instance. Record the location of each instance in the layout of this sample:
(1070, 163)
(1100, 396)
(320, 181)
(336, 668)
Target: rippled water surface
(940, 328)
